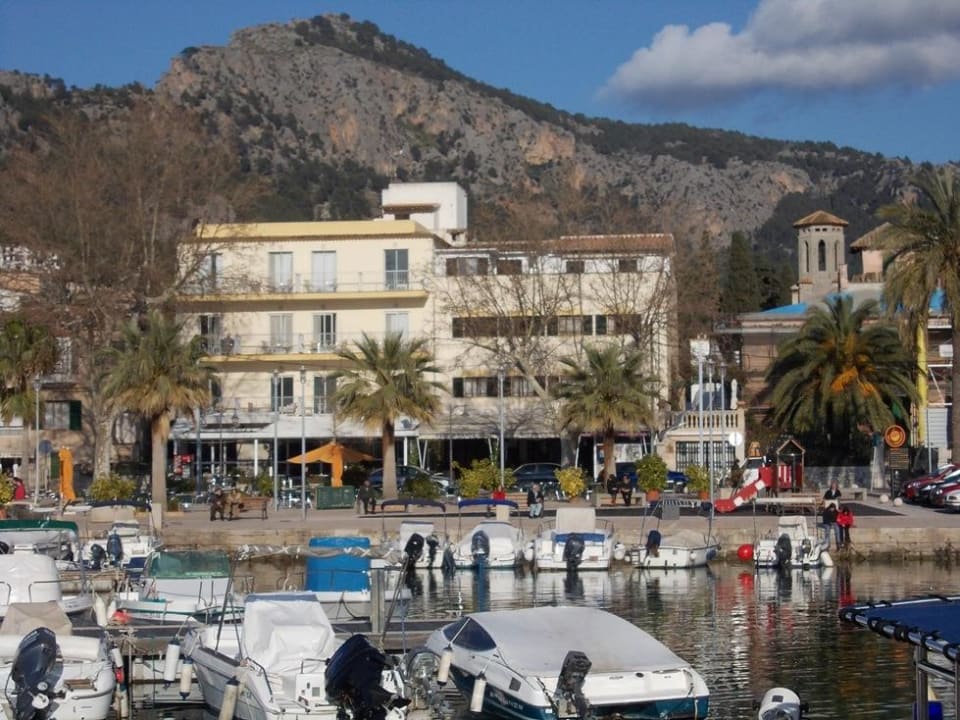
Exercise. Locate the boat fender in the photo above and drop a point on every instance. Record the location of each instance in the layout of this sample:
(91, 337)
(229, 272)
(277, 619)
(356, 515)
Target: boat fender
(116, 657)
(186, 678)
(443, 669)
(619, 551)
(100, 611)
(170, 659)
(528, 553)
(826, 559)
(745, 552)
(230, 692)
(476, 697)
(123, 702)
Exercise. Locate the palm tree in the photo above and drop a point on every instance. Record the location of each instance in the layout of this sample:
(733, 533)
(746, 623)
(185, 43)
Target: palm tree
(381, 383)
(154, 373)
(607, 393)
(26, 352)
(922, 257)
(845, 369)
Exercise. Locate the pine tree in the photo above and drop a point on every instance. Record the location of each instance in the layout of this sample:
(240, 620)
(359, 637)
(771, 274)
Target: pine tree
(740, 291)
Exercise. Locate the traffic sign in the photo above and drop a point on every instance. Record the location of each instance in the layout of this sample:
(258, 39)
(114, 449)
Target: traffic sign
(895, 436)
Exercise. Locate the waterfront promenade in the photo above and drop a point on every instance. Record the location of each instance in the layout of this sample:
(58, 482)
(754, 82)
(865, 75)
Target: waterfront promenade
(881, 529)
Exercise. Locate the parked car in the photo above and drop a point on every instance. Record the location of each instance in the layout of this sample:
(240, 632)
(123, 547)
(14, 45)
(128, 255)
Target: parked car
(677, 481)
(544, 473)
(951, 501)
(912, 489)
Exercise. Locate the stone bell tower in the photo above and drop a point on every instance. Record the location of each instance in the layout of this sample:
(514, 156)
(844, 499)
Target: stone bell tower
(821, 255)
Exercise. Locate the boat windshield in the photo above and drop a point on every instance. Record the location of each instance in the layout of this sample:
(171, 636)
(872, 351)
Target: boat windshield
(468, 634)
(189, 563)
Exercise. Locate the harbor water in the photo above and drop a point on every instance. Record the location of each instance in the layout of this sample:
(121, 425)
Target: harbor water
(745, 632)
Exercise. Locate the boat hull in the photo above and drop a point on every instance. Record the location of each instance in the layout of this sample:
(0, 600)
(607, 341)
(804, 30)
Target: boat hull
(678, 556)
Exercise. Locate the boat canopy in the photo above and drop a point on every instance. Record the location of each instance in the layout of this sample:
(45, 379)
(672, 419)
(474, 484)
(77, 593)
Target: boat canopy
(287, 633)
(486, 502)
(932, 623)
(407, 502)
(188, 563)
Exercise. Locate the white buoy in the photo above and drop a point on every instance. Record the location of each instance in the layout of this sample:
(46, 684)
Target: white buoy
(884, 498)
(230, 692)
(123, 701)
(443, 669)
(476, 697)
(100, 610)
(898, 501)
(170, 660)
(186, 677)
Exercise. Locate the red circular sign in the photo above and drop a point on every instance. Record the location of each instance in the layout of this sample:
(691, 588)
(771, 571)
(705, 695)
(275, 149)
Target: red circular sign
(895, 436)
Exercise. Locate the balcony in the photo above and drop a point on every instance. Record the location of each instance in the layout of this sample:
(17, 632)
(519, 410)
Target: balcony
(306, 286)
(249, 346)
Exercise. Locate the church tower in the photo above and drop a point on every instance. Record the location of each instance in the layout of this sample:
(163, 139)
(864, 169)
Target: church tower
(821, 255)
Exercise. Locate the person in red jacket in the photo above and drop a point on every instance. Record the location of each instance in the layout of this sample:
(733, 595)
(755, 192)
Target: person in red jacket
(19, 489)
(844, 523)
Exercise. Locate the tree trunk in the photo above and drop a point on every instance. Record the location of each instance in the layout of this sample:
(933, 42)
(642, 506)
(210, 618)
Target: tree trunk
(159, 432)
(389, 461)
(569, 442)
(102, 445)
(609, 461)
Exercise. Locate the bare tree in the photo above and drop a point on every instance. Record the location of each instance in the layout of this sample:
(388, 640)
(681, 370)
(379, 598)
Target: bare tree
(101, 204)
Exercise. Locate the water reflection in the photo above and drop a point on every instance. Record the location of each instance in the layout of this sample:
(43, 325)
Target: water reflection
(745, 632)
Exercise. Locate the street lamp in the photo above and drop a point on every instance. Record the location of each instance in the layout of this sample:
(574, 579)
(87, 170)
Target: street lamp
(199, 457)
(234, 426)
(220, 444)
(501, 371)
(711, 443)
(723, 407)
(453, 409)
(276, 422)
(303, 441)
(36, 456)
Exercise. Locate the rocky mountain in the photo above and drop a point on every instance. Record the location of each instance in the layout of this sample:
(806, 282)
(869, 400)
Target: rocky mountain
(330, 110)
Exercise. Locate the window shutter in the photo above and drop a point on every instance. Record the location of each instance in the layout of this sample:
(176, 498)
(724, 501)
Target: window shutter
(76, 415)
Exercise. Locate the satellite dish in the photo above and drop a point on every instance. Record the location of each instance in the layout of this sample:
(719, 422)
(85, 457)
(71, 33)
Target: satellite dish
(735, 439)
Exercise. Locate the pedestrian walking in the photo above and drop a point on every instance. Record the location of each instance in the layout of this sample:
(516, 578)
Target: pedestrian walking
(367, 498)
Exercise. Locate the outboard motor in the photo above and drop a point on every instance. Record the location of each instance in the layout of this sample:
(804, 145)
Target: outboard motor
(654, 538)
(412, 551)
(573, 550)
(480, 548)
(806, 551)
(98, 556)
(449, 564)
(115, 549)
(573, 673)
(353, 681)
(784, 551)
(4, 548)
(433, 542)
(31, 675)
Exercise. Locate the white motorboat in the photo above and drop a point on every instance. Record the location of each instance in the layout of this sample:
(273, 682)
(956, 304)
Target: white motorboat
(179, 584)
(435, 539)
(33, 556)
(780, 704)
(667, 547)
(576, 540)
(564, 662)
(491, 543)
(47, 672)
(793, 545)
(285, 661)
(126, 545)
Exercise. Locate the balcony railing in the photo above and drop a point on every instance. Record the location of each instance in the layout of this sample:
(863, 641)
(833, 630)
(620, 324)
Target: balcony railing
(265, 344)
(392, 281)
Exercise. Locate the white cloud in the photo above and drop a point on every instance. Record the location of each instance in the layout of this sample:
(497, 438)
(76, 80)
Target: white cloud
(796, 45)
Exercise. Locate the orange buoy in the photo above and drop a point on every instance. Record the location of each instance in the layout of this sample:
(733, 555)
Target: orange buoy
(745, 552)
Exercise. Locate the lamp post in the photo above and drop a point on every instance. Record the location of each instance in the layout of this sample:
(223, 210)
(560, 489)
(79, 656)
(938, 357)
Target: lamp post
(501, 371)
(711, 446)
(220, 445)
(199, 458)
(234, 426)
(36, 456)
(700, 455)
(303, 441)
(723, 406)
(276, 422)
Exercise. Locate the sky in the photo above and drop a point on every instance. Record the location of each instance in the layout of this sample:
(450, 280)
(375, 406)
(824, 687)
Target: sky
(877, 75)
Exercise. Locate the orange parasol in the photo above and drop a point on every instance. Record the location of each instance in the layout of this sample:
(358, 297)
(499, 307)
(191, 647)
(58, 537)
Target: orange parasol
(334, 454)
(66, 475)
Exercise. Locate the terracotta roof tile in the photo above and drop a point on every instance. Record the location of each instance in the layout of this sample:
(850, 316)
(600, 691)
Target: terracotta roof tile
(820, 217)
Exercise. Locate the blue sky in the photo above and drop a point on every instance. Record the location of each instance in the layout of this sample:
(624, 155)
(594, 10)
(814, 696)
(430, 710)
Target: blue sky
(879, 75)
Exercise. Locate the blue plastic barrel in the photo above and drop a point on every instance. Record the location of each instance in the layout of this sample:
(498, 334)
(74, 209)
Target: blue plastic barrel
(338, 572)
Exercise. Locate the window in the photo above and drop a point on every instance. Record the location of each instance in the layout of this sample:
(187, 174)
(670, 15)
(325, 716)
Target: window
(509, 267)
(627, 265)
(467, 266)
(281, 271)
(600, 324)
(397, 322)
(325, 331)
(821, 256)
(397, 275)
(211, 330)
(323, 272)
(324, 386)
(281, 332)
(211, 271)
(573, 325)
(62, 415)
(281, 393)
(574, 266)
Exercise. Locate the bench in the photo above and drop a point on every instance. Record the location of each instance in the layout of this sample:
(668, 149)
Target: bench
(248, 503)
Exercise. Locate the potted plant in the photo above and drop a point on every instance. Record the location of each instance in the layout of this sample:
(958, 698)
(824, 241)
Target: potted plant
(6, 495)
(652, 476)
(572, 481)
(698, 480)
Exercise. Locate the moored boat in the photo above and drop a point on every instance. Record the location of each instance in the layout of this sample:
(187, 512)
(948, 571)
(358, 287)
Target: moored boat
(576, 540)
(792, 545)
(666, 546)
(565, 662)
(491, 543)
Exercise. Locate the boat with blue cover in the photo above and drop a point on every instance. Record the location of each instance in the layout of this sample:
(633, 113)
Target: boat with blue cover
(492, 542)
(576, 540)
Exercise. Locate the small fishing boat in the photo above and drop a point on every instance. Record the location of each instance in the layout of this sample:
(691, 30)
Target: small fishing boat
(285, 661)
(667, 547)
(181, 584)
(792, 545)
(435, 539)
(564, 662)
(492, 542)
(48, 672)
(576, 540)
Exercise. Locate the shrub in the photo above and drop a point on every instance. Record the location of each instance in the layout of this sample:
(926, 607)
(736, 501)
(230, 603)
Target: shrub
(698, 478)
(572, 481)
(482, 475)
(112, 487)
(651, 473)
(6, 489)
(420, 487)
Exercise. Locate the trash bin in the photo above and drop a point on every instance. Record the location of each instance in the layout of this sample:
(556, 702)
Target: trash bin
(338, 572)
(334, 497)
